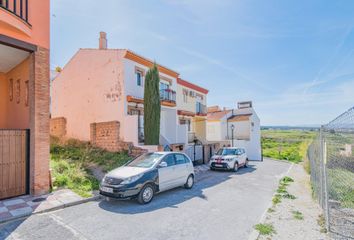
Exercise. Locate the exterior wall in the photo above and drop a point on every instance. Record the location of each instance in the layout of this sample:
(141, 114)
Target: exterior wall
(17, 114)
(38, 17)
(190, 105)
(199, 126)
(3, 100)
(58, 127)
(89, 89)
(214, 131)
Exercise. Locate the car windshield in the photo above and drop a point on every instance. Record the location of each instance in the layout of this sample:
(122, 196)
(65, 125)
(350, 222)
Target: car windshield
(228, 151)
(146, 160)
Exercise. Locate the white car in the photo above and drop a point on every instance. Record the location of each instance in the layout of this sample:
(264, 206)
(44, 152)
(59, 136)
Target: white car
(147, 175)
(229, 158)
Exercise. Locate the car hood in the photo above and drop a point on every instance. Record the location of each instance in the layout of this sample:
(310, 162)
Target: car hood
(125, 172)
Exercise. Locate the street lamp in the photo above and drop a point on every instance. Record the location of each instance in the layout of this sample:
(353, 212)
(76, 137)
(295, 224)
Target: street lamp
(232, 134)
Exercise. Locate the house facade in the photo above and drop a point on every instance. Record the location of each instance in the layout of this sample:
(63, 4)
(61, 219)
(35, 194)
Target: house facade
(192, 109)
(104, 85)
(239, 127)
(24, 97)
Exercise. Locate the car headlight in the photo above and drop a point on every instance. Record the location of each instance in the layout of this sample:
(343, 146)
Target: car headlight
(132, 179)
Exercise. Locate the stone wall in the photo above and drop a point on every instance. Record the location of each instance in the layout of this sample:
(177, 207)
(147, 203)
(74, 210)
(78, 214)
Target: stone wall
(58, 127)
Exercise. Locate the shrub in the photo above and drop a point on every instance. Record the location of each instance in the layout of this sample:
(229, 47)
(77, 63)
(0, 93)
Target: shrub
(265, 229)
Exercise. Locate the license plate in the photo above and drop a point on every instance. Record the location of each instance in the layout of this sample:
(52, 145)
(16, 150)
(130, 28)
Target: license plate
(218, 165)
(107, 189)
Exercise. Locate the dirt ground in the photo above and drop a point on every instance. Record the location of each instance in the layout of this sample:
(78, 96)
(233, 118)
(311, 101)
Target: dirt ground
(282, 218)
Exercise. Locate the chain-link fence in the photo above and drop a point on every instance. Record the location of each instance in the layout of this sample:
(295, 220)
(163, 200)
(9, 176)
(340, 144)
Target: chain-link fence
(331, 158)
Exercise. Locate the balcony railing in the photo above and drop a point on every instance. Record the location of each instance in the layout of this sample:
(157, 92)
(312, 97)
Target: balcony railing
(167, 95)
(17, 7)
(201, 109)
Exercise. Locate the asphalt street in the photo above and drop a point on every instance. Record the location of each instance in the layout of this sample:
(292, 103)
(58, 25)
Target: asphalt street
(222, 205)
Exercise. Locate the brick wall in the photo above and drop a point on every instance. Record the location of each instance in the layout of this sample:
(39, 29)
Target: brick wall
(39, 121)
(58, 127)
(106, 135)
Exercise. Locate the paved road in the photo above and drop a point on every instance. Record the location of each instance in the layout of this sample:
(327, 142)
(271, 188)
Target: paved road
(222, 205)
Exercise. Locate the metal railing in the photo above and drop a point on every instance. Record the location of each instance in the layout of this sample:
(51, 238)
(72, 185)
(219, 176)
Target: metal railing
(191, 137)
(331, 157)
(17, 7)
(168, 95)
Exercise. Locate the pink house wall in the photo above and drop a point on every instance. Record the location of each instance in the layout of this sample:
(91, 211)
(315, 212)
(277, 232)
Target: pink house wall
(88, 90)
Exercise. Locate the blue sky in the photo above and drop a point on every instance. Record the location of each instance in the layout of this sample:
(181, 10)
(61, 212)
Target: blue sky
(293, 59)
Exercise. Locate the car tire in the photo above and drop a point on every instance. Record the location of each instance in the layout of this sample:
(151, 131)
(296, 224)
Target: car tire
(190, 182)
(235, 168)
(212, 169)
(246, 164)
(146, 194)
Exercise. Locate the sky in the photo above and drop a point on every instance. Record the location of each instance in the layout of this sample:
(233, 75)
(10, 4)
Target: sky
(293, 59)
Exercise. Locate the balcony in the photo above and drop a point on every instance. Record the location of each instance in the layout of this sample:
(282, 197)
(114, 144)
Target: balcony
(168, 97)
(201, 109)
(19, 8)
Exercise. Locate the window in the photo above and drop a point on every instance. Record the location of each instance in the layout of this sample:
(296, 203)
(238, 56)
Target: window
(185, 95)
(139, 78)
(170, 160)
(180, 159)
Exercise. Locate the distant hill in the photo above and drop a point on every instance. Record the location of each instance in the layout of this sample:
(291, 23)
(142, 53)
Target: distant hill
(307, 127)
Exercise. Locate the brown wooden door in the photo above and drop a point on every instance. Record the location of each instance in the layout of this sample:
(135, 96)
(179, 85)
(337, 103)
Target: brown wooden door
(13, 163)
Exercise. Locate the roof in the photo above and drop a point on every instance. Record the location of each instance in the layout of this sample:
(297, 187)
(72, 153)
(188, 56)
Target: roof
(192, 86)
(217, 115)
(239, 118)
(149, 63)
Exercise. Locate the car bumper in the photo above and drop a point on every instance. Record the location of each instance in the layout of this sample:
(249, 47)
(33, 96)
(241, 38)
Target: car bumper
(222, 165)
(120, 192)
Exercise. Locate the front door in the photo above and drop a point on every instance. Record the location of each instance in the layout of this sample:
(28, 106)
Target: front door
(13, 163)
(167, 175)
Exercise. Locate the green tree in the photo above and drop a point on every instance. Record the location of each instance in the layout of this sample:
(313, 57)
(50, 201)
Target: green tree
(152, 107)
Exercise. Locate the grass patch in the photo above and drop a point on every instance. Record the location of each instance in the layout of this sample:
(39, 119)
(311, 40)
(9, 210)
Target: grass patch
(265, 229)
(288, 145)
(70, 163)
(289, 196)
(321, 221)
(286, 180)
(298, 215)
(341, 186)
(270, 210)
(276, 199)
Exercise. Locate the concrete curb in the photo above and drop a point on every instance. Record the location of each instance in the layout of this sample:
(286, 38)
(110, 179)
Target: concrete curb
(65, 205)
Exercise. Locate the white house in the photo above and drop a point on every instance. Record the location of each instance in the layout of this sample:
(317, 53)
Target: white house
(236, 127)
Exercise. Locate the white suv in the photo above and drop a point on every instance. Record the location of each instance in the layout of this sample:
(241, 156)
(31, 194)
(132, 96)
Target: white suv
(229, 158)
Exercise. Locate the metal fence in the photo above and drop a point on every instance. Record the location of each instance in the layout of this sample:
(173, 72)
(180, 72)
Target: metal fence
(331, 158)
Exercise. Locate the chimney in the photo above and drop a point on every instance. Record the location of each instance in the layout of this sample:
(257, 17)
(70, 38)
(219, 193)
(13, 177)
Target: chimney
(102, 41)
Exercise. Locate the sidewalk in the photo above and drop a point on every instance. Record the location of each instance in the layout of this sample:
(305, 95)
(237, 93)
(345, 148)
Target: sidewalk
(23, 206)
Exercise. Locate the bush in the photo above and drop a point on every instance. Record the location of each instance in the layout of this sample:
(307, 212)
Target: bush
(70, 162)
(265, 229)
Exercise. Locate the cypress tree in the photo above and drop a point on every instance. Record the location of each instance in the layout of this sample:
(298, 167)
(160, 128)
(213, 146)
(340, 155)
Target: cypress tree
(152, 107)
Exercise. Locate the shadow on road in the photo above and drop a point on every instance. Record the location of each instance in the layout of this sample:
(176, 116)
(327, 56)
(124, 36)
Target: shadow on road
(171, 198)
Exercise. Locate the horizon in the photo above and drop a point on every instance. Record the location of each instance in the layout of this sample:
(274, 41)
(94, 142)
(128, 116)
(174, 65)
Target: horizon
(297, 71)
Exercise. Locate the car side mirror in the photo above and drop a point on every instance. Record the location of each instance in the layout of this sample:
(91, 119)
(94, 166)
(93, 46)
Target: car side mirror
(162, 164)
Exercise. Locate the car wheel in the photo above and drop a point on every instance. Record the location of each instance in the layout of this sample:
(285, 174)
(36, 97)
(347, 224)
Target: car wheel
(190, 182)
(235, 169)
(246, 163)
(146, 194)
(211, 169)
